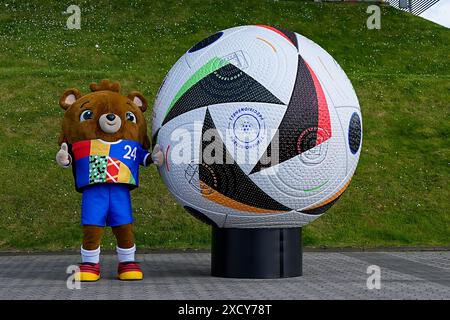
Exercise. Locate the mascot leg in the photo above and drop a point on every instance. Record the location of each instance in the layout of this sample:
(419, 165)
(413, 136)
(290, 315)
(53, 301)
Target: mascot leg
(128, 268)
(90, 254)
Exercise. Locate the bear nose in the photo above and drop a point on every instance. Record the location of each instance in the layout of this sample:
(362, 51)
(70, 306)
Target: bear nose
(110, 116)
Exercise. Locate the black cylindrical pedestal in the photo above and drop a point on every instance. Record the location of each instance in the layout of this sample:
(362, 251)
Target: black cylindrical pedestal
(256, 253)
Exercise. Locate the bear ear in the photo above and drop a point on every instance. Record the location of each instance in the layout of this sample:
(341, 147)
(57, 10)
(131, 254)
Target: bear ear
(139, 100)
(69, 97)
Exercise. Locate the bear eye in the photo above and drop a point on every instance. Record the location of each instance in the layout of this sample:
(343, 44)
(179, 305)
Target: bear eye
(130, 116)
(86, 115)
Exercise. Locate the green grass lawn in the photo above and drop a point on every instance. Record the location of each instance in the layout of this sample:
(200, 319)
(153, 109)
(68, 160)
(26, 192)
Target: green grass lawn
(401, 73)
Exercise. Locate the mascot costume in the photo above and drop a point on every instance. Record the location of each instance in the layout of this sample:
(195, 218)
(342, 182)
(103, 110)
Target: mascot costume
(104, 139)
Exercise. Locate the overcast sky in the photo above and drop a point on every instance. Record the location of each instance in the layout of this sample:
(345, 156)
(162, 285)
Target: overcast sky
(439, 13)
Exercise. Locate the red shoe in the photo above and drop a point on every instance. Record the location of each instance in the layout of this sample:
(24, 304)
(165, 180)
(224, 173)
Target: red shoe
(88, 272)
(129, 270)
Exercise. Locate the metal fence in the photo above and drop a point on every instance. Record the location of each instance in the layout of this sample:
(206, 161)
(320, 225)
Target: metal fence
(415, 7)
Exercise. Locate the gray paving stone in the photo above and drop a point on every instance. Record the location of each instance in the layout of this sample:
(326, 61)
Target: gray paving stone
(327, 275)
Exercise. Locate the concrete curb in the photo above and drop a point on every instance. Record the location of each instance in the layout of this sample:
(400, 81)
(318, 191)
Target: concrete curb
(172, 251)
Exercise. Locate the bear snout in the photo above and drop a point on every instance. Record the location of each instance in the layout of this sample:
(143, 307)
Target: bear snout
(110, 123)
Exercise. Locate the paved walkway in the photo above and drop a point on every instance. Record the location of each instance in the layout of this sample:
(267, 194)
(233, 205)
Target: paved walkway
(406, 275)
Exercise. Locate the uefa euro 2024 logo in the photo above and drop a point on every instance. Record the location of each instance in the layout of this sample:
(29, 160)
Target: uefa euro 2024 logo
(248, 127)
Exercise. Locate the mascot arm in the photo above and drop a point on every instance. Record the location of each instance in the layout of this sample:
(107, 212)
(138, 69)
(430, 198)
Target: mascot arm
(156, 157)
(63, 157)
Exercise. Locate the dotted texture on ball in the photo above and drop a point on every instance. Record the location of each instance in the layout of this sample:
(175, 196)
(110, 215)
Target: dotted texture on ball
(298, 131)
(227, 84)
(229, 180)
(354, 133)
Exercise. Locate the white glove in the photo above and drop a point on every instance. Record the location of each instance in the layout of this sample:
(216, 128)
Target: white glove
(63, 157)
(157, 155)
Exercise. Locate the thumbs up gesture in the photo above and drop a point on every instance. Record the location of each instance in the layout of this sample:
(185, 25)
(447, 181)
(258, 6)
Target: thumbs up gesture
(63, 157)
(157, 156)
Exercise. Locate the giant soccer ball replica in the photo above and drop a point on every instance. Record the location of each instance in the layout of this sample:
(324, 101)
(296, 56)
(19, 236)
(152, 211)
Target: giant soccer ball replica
(260, 128)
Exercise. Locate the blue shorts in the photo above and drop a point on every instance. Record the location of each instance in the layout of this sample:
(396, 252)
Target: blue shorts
(106, 204)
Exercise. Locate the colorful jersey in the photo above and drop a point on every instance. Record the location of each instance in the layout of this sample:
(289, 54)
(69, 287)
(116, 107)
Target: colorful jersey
(98, 161)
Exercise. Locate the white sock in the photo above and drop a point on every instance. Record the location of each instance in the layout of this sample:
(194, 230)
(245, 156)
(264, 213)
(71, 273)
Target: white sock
(91, 256)
(125, 255)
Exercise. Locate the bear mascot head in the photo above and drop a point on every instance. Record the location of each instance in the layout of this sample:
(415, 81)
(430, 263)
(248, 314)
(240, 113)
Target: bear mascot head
(113, 115)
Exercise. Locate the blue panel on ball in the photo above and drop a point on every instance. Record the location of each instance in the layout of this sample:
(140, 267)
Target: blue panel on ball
(206, 42)
(354, 133)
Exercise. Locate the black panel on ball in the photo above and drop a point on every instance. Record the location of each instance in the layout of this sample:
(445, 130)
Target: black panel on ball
(302, 115)
(226, 84)
(229, 180)
(291, 35)
(321, 209)
(256, 253)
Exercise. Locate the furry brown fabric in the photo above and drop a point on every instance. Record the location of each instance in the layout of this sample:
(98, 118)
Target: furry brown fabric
(124, 235)
(92, 236)
(105, 85)
(104, 99)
